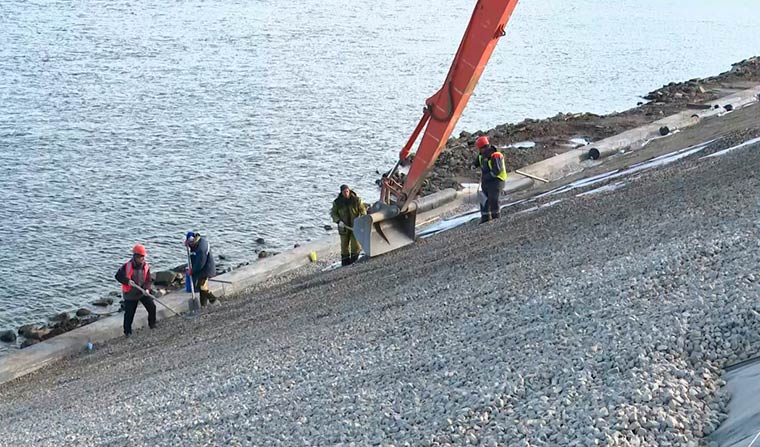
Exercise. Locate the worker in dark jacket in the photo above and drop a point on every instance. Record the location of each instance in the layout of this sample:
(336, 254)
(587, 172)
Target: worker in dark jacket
(136, 272)
(493, 174)
(345, 208)
(202, 265)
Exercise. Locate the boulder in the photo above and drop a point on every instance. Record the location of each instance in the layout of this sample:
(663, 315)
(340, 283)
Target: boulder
(328, 227)
(264, 254)
(61, 327)
(261, 241)
(37, 333)
(28, 342)
(25, 330)
(107, 301)
(222, 257)
(166, 277)
(63, 316)
(8, 336)
(54, 332)
(114, 293)
(180, 269)
(83, 312)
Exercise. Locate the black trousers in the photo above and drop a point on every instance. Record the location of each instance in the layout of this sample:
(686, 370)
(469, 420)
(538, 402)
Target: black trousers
(130, 307)
(490, 208)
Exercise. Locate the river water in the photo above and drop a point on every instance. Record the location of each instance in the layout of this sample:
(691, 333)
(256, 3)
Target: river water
(136, 121)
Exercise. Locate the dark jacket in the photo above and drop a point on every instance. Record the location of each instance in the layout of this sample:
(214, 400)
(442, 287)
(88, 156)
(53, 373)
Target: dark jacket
(137, 277)
(202, 260)
(346, 210)
(491, 164)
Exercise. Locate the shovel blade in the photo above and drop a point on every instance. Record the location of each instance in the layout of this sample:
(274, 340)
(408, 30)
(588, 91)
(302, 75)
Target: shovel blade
(379, 233)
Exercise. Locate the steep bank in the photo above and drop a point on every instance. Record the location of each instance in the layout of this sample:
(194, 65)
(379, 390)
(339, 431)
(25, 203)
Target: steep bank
(604, 317)
(555, 135)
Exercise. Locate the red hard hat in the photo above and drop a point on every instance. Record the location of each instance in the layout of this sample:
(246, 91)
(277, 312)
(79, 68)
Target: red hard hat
(139, 249)
(481, 142)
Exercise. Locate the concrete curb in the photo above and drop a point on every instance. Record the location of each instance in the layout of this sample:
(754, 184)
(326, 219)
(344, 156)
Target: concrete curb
(574, 161)
(27, 360)
(17, 364)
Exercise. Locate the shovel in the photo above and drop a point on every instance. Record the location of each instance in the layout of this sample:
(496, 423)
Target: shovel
(193, 304)
(145, 292)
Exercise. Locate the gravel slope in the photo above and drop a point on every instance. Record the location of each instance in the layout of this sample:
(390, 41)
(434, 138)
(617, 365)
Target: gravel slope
(601, 319)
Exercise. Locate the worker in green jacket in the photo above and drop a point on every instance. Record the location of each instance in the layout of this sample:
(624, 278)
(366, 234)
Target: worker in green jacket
(345, 208)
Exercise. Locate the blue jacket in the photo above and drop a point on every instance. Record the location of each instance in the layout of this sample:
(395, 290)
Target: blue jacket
(202, 260)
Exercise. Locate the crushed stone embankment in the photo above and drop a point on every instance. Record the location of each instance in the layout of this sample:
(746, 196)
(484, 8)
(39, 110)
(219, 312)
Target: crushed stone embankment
(604, 318)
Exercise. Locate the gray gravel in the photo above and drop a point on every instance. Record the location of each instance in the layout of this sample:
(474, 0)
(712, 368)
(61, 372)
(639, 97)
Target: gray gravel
(603, 319)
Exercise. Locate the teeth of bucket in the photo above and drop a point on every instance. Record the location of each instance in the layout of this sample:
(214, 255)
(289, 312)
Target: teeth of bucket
(378, 234)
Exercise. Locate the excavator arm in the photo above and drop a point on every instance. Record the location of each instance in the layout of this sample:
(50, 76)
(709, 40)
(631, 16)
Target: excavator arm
(391, 220)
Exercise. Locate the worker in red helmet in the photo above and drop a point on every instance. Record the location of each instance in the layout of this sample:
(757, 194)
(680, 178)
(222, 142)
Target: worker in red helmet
(493, 175)
(136, 272)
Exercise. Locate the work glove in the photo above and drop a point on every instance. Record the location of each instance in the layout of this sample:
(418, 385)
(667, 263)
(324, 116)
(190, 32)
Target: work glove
(341, 226)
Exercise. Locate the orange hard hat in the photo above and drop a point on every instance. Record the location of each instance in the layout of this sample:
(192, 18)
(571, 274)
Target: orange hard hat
(139, 249)
(481, 142)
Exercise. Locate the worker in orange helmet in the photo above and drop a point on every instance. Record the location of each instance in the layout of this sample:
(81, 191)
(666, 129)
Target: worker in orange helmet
(136, 272)
(493, 175)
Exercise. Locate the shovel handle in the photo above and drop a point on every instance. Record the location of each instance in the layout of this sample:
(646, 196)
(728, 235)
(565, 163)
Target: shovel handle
(144, 292)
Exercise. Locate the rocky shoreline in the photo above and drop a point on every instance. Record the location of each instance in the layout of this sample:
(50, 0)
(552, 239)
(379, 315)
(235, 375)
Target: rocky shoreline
(165, 281)
(603, 316)
(523, 143)
(532, 140)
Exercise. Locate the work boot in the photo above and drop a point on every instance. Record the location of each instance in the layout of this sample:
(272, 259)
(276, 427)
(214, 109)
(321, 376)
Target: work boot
(204, 299)
(485, 218)
(354, 258)
(211, 297)
(345, 261)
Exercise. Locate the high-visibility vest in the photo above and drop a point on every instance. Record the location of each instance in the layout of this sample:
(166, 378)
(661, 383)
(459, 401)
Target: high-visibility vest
(497, 158)
(129, 270)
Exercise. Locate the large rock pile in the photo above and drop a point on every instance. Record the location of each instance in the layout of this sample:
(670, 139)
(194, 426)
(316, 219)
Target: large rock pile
(552, 135)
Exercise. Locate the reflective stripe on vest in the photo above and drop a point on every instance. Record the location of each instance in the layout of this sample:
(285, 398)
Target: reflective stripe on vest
(498, 158)
(129, 270)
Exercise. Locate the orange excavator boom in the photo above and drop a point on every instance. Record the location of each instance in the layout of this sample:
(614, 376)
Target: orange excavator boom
(391, 221)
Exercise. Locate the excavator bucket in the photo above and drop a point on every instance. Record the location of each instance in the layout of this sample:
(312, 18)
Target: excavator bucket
(381, 232)
(386, 229)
